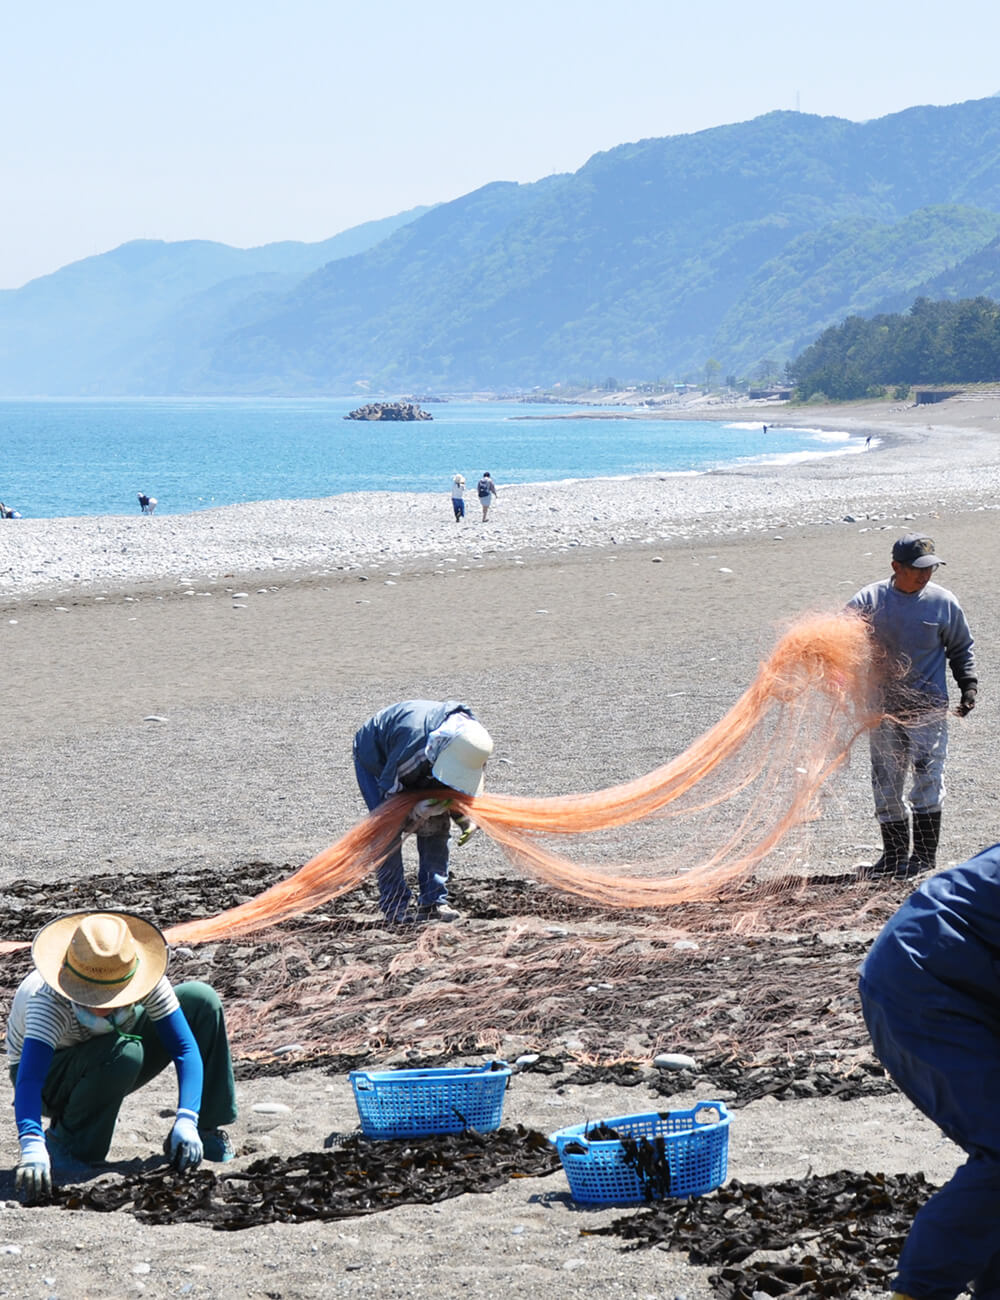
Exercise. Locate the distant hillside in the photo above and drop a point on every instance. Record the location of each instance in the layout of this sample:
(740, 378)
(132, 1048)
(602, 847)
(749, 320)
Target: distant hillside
(975, 275)
(735, 244)
(851, 268)
(85, 328)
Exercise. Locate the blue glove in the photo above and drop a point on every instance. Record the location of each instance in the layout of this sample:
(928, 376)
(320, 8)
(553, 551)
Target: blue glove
(33, 1177)
(184, 1146)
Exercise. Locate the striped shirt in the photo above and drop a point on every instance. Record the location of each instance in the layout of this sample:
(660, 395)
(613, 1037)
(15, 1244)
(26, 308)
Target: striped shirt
(42, 1013)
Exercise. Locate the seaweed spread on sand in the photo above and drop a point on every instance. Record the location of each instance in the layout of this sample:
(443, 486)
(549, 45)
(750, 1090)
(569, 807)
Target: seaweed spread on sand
(357, 1177)
(833, 1236)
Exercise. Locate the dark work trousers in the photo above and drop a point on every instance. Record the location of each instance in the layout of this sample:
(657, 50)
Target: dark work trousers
(87, 1083)
(394, 894)
(947, 1061)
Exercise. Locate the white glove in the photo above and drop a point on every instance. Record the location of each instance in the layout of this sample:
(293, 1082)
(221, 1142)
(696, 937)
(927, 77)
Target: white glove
(184, 1146)
(422, 812)
(33, 1177)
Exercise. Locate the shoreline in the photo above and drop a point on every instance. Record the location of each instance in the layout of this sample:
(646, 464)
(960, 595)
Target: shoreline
(950, 466)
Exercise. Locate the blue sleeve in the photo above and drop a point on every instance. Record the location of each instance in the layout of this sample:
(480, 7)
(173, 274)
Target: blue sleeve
(176, 1036)
(36, 1057)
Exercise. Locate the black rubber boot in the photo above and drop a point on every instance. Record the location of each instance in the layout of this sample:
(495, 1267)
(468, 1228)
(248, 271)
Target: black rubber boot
(894, 862)
(926, 833)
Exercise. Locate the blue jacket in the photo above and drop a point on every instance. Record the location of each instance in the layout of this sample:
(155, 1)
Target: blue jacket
(391, 745)
(941, 950)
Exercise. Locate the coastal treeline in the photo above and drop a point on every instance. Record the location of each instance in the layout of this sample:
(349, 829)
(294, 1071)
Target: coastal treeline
(932, 343)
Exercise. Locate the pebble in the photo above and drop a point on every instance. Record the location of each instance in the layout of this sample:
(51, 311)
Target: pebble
(288, 1047)
(529, 1058)
(674, 1061)
(324, 535)
(271, 1108)
(154, 717)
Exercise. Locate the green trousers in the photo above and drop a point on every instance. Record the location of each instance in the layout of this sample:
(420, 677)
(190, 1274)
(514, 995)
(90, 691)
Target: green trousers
(87, 1083)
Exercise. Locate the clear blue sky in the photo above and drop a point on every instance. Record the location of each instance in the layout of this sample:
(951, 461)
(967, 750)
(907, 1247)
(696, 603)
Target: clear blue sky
(248, 121)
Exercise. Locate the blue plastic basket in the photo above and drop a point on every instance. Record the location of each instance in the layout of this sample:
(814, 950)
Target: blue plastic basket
(686, 1152)
(417, 1103)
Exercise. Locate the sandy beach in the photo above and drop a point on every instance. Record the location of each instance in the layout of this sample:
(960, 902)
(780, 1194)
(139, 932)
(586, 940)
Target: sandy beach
(180, 693)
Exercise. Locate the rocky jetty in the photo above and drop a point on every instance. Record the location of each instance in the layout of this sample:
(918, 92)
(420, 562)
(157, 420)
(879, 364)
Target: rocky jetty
(389, 411)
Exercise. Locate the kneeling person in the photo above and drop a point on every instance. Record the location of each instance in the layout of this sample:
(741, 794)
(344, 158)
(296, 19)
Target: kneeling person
(98, 1019)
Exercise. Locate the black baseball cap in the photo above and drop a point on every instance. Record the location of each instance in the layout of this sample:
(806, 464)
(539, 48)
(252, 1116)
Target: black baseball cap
(915, 551)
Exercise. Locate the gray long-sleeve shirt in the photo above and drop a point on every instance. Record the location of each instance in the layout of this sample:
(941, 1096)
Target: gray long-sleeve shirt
(921, 634)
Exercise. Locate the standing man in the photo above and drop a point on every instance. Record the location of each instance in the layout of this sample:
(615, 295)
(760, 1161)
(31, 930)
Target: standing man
(920, 631)
(486, 490)
(416, 745)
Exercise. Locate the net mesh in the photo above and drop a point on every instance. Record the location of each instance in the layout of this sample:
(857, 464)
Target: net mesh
(642, 912)
(714, 813)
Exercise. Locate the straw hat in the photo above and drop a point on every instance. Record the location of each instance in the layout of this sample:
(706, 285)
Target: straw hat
(461, 761)
(100, 959)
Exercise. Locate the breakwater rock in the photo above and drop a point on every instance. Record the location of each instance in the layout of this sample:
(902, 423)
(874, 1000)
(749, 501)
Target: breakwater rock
(389, 411)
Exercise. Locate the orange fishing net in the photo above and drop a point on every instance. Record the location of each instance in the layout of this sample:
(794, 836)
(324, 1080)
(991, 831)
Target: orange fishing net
(754, 776)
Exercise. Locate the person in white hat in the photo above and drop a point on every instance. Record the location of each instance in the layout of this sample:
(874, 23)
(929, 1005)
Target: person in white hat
(97, 1019)
(414, 745)
(458, 496)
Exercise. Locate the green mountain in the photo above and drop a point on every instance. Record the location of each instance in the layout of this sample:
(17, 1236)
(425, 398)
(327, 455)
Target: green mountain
(738, 243)
(850, 267)
(89, 327)
(734, 243)
(974, 276)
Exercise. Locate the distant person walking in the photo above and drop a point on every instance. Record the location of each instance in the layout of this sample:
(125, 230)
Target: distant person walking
(458, 497)
(486, 490)
(147, 504)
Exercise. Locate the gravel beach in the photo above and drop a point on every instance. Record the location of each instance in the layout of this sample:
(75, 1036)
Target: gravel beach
(180, 692)
(911, 463)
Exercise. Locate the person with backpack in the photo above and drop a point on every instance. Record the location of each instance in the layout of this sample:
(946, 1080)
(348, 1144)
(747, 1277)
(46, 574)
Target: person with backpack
(486, 490)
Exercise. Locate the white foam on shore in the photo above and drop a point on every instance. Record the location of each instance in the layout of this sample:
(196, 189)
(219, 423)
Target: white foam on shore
(264, 540)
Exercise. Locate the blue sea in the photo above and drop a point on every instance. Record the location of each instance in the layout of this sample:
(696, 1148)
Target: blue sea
(72, 457)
